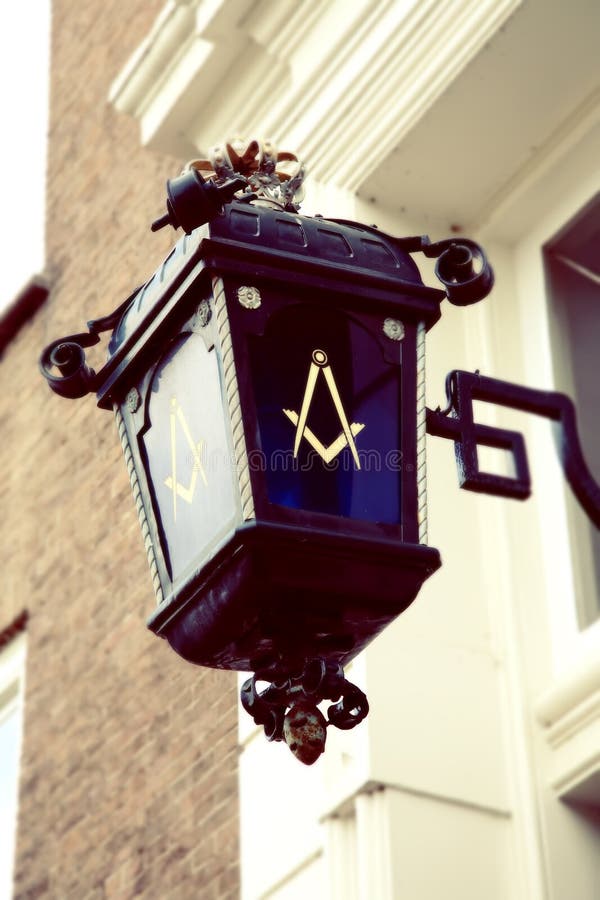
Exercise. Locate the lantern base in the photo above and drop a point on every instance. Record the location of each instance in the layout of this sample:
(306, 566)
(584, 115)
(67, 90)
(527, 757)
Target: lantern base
(285, 592)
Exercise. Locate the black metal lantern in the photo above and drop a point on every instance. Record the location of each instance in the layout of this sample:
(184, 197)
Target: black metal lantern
(268, 384)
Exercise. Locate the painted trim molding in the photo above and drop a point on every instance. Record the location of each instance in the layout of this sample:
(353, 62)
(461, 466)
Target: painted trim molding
(309, 73)
(569, 714)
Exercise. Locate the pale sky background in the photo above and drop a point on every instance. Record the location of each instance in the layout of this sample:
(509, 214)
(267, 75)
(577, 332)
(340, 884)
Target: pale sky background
(24, 58)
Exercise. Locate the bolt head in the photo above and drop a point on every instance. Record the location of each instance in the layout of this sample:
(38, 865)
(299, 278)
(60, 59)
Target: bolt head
(394, 329)
(249, 297)
(133, 400)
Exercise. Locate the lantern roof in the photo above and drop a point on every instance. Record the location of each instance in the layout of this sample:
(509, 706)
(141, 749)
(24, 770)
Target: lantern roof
(248, 239)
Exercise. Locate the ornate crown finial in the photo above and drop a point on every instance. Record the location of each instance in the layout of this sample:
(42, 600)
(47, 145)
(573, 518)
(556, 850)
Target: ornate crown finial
(275, 176)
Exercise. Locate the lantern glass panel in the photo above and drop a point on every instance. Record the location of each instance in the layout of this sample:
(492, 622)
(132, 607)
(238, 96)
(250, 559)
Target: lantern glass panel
(189, 456)
(329, 413)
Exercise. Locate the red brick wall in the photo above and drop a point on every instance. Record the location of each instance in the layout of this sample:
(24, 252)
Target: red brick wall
(129, 769)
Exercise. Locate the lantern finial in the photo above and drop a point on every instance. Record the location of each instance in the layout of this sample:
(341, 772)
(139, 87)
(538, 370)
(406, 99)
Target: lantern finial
(274, 176)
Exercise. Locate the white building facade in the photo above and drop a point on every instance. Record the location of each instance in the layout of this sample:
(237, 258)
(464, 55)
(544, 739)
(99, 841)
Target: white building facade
(477, 772)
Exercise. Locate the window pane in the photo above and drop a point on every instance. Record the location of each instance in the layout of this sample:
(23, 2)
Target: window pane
(573, 278)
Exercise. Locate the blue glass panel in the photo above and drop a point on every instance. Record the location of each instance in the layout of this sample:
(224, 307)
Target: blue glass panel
(329, 416)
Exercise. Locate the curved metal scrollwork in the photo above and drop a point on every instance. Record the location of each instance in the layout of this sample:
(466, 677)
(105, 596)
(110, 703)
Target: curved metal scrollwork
(74, 377)
(67, 354)
(457, 423)
(288, 707)
(462, 267)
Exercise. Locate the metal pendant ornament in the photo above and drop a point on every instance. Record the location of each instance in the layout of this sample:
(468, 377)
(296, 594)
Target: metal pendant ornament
(268, 382)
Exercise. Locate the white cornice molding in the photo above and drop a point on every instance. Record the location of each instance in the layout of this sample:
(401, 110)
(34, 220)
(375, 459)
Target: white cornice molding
(574, 689)
(570, 716)
(141, 77)
(515, 205)
(177, 74)
(406, 59)
(308, 74)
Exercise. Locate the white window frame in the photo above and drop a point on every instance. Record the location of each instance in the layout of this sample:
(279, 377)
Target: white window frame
(566, 704)
(585, 577)
(564, 184)
(12, 693)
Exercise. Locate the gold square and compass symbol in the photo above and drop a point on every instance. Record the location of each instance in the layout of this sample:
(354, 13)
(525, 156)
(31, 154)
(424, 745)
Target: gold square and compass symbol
(177, 418)
(320, 366)
(329, 413)
(186, 448)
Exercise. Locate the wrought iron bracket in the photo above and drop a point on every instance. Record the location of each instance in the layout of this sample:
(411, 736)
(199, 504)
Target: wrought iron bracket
(462, 265)
(456, 422)
(75, 378)
(288, 707)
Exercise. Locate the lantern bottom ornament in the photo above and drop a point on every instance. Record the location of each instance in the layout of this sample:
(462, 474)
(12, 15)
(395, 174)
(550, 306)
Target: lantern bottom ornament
(294, 605)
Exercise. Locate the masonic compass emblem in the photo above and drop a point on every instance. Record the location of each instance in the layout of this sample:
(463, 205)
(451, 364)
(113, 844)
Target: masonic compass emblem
(179, 490)
(319, 364)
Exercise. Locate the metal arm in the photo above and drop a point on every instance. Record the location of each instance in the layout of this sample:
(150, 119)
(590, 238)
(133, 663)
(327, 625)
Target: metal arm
(456, 422)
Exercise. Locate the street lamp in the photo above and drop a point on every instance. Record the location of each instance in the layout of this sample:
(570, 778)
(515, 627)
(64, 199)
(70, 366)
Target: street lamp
(268, 385)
